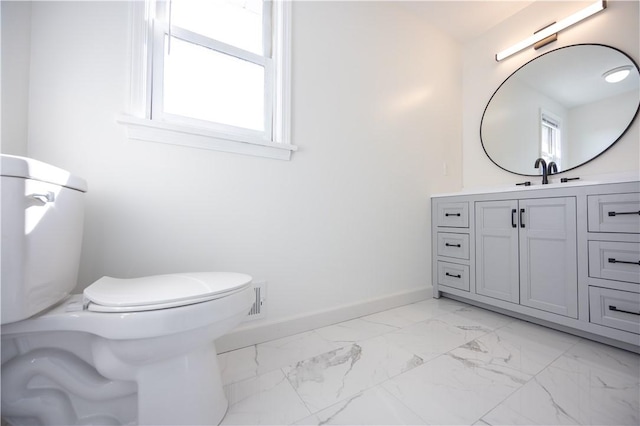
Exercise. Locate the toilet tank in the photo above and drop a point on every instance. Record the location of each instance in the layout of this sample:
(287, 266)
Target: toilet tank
(41, 220)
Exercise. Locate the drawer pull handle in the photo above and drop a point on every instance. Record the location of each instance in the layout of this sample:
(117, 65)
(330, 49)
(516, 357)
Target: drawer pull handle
(613, 308)
(513, 218)
(458, 276)
(452, 214)
(451, 245)
(621, 213)
(521, 218)
(613, 260)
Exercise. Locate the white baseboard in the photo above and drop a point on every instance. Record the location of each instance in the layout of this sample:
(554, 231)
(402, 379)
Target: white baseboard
(263, 331)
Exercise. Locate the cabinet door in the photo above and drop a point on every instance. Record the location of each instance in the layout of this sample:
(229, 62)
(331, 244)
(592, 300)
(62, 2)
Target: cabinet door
(548, 259)
(497, 249)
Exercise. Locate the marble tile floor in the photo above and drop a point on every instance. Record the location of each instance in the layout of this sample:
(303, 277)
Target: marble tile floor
(438, 361)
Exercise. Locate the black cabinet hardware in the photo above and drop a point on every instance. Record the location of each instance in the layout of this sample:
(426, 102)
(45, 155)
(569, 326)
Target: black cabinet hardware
(613, 308)
(521, 218)
(451, 245)
(513, 218)
(613, 260)
(452, 214)
(621, 213)
(455, 276)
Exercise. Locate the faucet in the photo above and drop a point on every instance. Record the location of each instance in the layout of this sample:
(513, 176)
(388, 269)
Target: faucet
(552, 168)
(544, 169)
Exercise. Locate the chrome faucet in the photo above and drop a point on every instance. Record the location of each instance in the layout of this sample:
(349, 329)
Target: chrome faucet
(544, 169)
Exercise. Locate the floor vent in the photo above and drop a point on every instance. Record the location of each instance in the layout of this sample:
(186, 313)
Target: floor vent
(258, 309)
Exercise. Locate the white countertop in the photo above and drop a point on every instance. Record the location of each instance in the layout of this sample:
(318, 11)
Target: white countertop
(555, 183)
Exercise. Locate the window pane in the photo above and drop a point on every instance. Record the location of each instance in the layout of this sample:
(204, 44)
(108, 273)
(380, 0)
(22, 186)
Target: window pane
(235, 22)
(208, 85)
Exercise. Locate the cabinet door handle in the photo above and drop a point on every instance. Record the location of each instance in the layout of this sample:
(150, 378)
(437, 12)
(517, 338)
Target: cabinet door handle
(521, 218)
(621, 213)
(458, 276)
(613, 260)
(451, 245)
(513, 218)
(613, 308)
(452, 214)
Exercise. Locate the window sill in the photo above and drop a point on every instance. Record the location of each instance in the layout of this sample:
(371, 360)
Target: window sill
(176, 134)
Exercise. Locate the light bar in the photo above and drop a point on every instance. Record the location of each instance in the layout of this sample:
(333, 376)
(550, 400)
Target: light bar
(553, 29)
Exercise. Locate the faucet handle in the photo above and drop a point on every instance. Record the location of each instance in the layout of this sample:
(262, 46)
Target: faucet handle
(565, 180)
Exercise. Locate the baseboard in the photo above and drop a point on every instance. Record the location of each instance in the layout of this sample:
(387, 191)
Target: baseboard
(251, 334)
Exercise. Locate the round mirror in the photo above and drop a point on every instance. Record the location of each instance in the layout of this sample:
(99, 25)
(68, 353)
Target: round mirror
(562, 107)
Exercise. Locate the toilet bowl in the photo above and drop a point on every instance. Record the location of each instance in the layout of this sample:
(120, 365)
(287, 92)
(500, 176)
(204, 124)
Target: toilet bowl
(126, 351)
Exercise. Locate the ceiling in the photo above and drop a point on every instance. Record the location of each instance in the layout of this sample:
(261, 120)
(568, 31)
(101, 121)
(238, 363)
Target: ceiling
(465, 20)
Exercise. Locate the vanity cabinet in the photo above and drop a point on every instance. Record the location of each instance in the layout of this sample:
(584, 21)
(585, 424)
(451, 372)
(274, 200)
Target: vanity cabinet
(526, 253)
(614, 260)
(452, 246)
(567, 256)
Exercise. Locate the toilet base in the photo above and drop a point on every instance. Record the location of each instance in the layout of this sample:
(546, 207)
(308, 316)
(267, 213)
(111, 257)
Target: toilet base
(186, 390)
(170, 377)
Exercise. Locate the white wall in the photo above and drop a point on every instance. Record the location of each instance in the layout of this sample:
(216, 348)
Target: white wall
(376, 114)
(616, 26)
(16, 32)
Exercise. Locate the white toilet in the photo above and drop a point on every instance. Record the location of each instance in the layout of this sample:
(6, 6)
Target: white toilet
(125, 351)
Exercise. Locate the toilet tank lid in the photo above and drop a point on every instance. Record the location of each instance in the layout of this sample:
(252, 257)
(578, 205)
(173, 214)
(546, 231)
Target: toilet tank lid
(158, 289)
(28, 168)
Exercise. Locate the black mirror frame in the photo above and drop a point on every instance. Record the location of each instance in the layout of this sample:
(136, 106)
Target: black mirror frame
(635, 116)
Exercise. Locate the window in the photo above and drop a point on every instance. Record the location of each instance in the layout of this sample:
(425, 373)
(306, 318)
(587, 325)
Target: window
(212, 74)
(550, 138)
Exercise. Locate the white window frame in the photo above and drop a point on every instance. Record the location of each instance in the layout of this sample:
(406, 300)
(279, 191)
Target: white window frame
(145, 122)
(554, 123)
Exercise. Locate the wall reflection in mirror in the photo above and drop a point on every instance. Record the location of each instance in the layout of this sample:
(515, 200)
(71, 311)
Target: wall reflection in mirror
(559, 107)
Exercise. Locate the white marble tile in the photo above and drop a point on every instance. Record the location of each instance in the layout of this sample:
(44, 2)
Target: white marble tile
(288, 350)
(353, 331)
(267, 399)
(504, 415)
(591, 385)
(238, 365)
(474, 318)
(604, 357)
(522, 346)
(333, 376)
(449, 390)
(415, 312)
(375, 406)
(431, 338)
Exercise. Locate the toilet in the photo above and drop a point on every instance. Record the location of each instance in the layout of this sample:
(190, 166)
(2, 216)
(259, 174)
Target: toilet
(125, 351)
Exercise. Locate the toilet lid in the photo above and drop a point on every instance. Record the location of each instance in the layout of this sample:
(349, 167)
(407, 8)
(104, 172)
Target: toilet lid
(161, 291)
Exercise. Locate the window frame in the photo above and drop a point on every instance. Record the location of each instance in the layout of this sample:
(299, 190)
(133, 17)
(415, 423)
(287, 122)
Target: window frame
(553, 123)
(145, 122)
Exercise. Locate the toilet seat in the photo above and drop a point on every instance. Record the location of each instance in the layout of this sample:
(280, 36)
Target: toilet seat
(161, 291)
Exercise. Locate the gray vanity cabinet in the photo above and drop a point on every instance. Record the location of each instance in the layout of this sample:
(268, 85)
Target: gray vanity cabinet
(526, 253)
(567, 256)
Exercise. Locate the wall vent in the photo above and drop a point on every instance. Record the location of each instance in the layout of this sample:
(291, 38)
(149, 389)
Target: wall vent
(258, 309)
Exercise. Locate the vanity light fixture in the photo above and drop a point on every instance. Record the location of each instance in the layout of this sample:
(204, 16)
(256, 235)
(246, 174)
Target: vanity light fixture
(617, 74)
(553, 29)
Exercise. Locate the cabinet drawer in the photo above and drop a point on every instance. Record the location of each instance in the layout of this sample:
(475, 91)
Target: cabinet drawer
(613, 260)
(455, 215)
(615, 309)
(453, 245)
(453, 275)
(614, 213)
